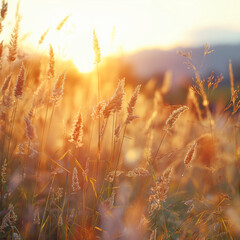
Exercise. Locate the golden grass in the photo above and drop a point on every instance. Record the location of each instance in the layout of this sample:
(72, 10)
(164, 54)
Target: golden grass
(117, 172)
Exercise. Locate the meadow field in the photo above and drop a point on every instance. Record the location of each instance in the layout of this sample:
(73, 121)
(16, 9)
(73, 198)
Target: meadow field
(100, 156)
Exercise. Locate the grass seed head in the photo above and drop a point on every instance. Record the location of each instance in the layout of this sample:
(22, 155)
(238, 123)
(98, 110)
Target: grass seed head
(132, 105)
(174, 117)
(96, 48)
(190, 154)
(57, 93)
(29, 128)
(6, 83)
(18, 91)
(77, 131)
(139, 171)
(75, 182)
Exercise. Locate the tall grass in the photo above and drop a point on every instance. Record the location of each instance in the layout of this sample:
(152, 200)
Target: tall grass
(76, 168)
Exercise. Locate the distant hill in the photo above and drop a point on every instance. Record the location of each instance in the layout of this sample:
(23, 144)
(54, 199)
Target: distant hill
(150, 63)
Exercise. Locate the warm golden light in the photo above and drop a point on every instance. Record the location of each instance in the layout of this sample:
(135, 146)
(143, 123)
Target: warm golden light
(143, 146)
(136, 25)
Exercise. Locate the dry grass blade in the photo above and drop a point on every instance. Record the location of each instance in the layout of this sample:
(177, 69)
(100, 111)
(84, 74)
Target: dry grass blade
(60, 25)
(96, 48)
(18, 91)
(132, 105)
(57, 92)
(190, 154)
(43, 36)
(13, 45)
(77, 131)
(4, 9)
(29, 128)
(207, 49)
(174, 117)
(6, 83)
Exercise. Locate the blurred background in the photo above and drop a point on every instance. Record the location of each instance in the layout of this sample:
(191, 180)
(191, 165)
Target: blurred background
(141, 36)
(140, 40)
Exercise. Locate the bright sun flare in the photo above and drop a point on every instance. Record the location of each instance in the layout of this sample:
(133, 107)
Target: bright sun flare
(75, 42)
(117, 23)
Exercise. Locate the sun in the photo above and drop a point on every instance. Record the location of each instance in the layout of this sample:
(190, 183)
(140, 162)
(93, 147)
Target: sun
(69, 45)
(74, 42)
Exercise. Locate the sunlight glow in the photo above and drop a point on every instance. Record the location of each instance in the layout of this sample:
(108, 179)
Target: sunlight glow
(132, 156)
(137, 24)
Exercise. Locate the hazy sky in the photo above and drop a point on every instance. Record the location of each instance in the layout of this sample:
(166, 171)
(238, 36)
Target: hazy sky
(138, 23)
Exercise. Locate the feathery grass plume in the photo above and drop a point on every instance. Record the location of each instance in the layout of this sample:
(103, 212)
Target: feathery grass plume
(98, 110)
(167, 174)
(4, 9)
(207, 49)
(31, 113)
(117, 132)
(77, 131)
(7, 100)
(18, 91)
(29, 128)
(174, 117)
(57, 92)
(190, 154)
(6, 83)
(214, 81)
(113, 174)
(185, 53)
(96, 48)
(75, 182)
(13, 45)
(60, 25)
(160, 190)
(188, 55)
(9, 219)
(131, 106)
(36, 218)
(114, 105)
(139, 171)
(43, 36)
(51, 64)
(4, 172)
